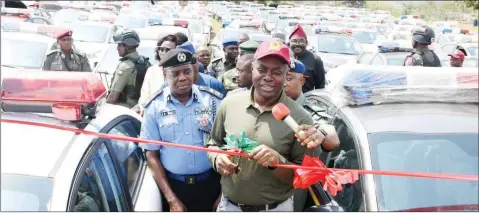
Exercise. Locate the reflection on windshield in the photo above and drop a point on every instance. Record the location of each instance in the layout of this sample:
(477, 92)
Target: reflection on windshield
(89, 33)
(16, 52)
(365, 37)
(25, 193)
(337, 44)
(131, 21)
(472, 51)
(111, 59)
(434, 153)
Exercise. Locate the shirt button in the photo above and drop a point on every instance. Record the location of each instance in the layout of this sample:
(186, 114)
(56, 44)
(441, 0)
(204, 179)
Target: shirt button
(186, 113)
(189, 152)
(187, 133)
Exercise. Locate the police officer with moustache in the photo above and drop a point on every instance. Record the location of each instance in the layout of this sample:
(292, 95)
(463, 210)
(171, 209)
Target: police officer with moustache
(422, 55)
(66, 58)
(229, 78)
(315, 74)
(122, 89)
(219, 66)
(293, 89)
(181, 113)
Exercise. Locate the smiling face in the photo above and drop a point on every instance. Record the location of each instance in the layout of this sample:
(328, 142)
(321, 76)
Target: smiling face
(294, 85)
(298, 44)
(180, 79)
(269, 75)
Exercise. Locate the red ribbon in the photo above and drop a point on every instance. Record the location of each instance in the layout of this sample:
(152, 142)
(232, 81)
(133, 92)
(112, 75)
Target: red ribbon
(307, 164)
(331, 180)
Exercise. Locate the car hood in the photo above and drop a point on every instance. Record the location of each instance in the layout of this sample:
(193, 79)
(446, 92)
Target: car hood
(332, 60)
(370, 47)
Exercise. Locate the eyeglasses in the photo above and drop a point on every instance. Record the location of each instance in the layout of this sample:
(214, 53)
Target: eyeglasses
(163, 49)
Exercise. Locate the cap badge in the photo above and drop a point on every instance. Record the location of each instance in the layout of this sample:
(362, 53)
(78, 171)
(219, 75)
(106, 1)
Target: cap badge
(275, 45)
(181, 57)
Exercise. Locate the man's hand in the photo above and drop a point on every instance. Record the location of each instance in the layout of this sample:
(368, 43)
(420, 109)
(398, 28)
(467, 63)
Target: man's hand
(309, 136)
(265, 156)
(224, 165)
(176, 206)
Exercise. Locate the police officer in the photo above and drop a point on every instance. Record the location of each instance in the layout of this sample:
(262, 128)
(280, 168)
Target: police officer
(66, 58)
(122, 89)
(422, 55)
(293, 89)
(219, 66)
(181, 113)
(229, 78)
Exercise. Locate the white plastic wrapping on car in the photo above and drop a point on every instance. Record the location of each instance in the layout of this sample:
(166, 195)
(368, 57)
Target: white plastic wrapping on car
(363, 84)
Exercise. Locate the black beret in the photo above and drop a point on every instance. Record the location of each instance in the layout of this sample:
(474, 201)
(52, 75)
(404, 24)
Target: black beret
(176, 57)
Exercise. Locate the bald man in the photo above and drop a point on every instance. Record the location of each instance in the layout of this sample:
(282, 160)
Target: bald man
(203, 53)
(243, 38)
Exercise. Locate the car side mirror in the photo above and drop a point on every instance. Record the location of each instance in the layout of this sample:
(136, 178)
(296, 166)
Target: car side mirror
(324, 208)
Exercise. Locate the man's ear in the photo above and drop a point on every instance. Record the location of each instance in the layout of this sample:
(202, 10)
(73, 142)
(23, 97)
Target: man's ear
(302, 81)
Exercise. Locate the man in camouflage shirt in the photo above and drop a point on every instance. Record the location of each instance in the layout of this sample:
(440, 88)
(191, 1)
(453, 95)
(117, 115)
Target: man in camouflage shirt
(229, 78)
(122, 90)
(219, 66)
(65, 58)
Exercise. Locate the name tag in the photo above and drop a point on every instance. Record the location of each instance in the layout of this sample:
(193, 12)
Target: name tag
(166, 113)
(203, 111)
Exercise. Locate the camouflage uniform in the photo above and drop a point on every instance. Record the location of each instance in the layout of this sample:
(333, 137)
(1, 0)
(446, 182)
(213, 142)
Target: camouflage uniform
(229, 78)
(416, 58)
(218, 67)
(56, 60)
(125, 80)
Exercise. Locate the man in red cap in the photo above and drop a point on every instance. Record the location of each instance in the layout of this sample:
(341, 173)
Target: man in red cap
(315, 75)
(66, 58)
(457, 58)
(252, 184)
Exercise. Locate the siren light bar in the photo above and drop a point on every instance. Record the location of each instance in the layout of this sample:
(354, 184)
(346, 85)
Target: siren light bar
(70, 96)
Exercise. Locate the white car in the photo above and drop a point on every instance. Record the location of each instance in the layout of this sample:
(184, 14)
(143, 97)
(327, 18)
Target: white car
(62, 170)
(24, 50)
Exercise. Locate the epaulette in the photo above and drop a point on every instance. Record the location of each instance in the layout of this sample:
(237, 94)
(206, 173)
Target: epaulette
(216, 60)
(151, 98)
(53, 51)
(214, 92)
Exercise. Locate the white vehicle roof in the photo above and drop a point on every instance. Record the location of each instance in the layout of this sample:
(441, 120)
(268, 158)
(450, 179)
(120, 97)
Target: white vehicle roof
(27, 37)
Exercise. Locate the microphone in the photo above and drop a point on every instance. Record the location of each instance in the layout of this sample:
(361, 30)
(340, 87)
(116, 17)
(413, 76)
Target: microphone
(281, 112)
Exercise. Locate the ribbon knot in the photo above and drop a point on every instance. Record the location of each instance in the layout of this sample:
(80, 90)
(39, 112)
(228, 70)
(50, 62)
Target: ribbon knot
(239, 144)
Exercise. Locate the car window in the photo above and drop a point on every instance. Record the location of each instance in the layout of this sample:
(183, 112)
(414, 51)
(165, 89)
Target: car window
(448, 48)
(15, 51)
(26, 193)
(90, 32)
(38, 21)
(366, 58)
(377, 60)
(346, 157)
(128, 154)
(100, 188)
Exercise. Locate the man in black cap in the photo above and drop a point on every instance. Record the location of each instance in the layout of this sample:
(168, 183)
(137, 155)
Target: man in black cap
(181, 113)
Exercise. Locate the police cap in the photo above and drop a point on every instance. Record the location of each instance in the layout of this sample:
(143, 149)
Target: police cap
(230, 42)
(249, 46)
(298, 67)
(176, 57)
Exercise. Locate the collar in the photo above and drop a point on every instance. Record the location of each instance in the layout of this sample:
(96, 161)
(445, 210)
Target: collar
(132, 56)
(170, 98)
(301, 100)
(250, 103)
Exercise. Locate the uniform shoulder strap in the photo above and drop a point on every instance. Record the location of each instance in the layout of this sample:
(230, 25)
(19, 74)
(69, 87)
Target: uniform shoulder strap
(214, 92)
(53, 51)
(152, 97)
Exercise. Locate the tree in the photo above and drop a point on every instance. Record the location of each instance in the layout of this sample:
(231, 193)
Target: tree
(474, 4)
(356, 4)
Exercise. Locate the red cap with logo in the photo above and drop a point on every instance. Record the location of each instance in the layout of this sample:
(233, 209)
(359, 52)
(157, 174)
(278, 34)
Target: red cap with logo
(273, 48)
(298, 31)
(458, 55)
(64, 33)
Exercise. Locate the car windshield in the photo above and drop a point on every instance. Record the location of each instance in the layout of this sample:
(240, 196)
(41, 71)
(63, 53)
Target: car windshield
(470, 62)
(70, 16)
(472, 51)
(272, 18)
(111, 59)
(90, 33)
(234, 34)
(282, 24)
(434, 153)
(337, 44)
(396, 59)
(26, 193)
(16, 51)
(131, 21)
(365, 37)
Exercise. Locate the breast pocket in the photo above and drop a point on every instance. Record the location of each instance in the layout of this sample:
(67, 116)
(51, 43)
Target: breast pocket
(204, 123)
(169, 126)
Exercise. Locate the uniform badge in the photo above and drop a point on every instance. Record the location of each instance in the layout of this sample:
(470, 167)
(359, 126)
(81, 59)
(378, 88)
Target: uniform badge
(204, 120)
(181, 57)
(275, 45)
(56, 66)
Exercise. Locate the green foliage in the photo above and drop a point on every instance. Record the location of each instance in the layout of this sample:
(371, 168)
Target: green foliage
(474, 4)
(355, 4)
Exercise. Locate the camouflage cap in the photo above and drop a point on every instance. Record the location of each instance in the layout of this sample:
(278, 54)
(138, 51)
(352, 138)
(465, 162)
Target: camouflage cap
(249, 46)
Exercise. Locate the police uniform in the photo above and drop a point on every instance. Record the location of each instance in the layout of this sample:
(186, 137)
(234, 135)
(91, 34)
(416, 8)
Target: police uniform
(318, 114)
(57, 60)
(218, 66)
(125, 79)
(166, 119)
(229, 78)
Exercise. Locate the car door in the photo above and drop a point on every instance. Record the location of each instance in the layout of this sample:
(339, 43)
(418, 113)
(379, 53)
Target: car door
(365, 58)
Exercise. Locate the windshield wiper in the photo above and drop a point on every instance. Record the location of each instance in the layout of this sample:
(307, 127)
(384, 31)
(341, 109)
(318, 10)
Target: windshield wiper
(11, 66)
(322, 51)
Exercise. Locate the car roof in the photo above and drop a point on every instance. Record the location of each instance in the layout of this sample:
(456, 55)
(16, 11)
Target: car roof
(419, 117)
(27, 37)
(89, 23)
